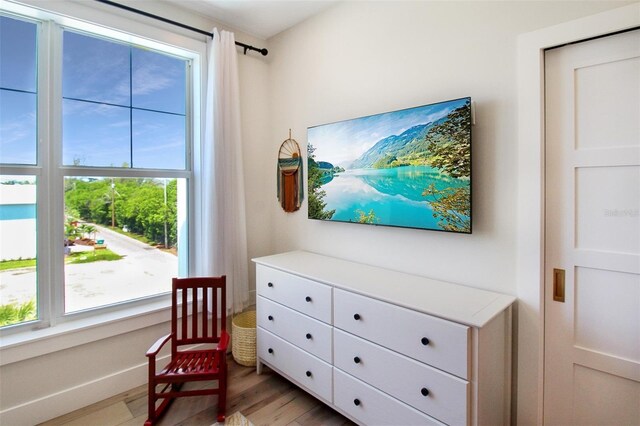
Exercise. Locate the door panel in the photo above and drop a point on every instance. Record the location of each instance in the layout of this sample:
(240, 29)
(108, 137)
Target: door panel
(592, 232)
(598, 394)
(604, 89)
(605, 301)
(607, 199)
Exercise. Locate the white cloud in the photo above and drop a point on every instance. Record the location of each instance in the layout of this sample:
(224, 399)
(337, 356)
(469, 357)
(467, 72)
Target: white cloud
(19, 131)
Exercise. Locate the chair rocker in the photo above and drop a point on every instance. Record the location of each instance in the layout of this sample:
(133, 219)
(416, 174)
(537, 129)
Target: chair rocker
(189, 364)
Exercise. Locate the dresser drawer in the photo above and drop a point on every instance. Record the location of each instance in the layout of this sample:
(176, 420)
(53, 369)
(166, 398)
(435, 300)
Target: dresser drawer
(308, 371)
(446, 396)
(305, 332)
(369, 406)
(303, 295)
(437, 342)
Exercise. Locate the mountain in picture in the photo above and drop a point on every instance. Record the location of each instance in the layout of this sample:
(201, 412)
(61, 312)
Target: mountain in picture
(396, 147)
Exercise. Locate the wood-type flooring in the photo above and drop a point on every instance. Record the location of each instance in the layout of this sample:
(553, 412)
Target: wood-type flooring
(267, 399)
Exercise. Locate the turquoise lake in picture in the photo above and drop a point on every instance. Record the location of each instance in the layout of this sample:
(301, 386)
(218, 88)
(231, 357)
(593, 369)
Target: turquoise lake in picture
(394, 194)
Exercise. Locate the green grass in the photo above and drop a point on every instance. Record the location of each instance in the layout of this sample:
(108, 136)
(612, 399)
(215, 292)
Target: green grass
(133, 235)
(92, 256)
(79, 257)
(16, 264)
(16, 313)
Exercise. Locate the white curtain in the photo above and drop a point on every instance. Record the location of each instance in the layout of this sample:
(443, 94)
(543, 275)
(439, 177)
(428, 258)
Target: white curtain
(224, 239)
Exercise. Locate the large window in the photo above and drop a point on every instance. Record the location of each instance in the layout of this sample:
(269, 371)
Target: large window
(113, 144)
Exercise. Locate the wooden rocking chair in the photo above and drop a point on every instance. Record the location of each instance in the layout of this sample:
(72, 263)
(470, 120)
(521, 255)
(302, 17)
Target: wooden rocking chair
(201, 328)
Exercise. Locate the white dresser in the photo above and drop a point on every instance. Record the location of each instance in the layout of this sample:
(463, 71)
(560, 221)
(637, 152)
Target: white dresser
(384, 347)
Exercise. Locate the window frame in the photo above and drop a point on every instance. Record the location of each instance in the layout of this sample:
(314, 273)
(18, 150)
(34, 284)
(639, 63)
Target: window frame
(50, 171)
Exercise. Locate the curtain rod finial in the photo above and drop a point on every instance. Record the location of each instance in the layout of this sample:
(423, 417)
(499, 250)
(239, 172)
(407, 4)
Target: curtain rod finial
(264, 52)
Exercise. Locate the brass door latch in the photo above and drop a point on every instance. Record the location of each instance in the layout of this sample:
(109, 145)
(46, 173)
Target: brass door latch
(558, 285)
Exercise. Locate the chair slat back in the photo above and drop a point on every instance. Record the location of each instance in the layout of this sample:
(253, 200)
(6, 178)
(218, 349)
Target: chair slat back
(207, 298)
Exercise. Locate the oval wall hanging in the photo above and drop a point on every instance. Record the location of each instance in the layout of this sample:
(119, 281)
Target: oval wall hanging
(290, 175)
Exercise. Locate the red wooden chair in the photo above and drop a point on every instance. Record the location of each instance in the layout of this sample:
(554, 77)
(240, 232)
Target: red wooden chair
(192, 364)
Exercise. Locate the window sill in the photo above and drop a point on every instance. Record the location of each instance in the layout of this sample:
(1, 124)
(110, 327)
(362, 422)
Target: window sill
(32, 343)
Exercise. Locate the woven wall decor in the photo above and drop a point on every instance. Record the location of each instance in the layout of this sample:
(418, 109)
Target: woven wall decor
(290, 175)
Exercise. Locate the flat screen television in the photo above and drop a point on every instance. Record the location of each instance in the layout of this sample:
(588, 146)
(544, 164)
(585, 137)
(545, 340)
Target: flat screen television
(407, 168)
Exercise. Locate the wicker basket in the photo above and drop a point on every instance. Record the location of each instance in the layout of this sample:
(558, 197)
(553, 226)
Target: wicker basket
(243, 338)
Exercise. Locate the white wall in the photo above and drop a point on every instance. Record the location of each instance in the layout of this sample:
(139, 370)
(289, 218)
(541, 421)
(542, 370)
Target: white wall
(361, 58)
(40, 388)
(82, 367)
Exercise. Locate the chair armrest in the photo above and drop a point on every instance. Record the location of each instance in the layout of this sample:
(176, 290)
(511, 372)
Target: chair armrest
(224, 341)
(155, 348)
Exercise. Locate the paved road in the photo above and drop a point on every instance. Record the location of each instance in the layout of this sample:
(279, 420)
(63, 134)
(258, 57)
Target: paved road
(123, 245)
(143, 271)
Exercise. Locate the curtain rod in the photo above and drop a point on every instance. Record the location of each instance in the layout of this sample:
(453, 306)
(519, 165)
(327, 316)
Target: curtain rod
(246, 47)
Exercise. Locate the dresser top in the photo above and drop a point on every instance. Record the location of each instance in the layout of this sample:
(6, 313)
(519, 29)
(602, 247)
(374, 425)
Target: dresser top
(466, 305)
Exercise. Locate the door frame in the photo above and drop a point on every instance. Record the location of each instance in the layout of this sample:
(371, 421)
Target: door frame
(529, 324)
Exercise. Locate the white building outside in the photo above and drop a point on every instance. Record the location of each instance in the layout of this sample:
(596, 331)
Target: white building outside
(17, 221)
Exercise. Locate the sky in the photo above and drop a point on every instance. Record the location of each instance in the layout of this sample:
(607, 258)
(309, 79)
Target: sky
(17, 109)
(342, 142)
(120, 104)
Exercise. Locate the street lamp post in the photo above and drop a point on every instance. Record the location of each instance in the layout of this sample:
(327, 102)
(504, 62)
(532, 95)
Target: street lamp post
(113, 203)
(166, 237)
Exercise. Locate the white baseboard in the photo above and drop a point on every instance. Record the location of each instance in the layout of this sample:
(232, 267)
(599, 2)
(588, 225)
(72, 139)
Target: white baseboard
(71, 399)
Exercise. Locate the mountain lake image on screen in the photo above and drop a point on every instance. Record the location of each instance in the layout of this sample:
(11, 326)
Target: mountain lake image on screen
(407, 168)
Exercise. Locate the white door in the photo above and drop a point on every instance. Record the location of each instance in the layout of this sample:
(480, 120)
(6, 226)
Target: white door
(592, 232)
